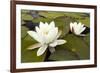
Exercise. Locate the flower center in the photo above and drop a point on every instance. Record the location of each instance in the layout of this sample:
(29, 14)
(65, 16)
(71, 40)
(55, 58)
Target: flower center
(45, 33)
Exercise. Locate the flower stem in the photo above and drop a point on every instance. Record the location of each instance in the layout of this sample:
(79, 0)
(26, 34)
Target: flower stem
(48, 53)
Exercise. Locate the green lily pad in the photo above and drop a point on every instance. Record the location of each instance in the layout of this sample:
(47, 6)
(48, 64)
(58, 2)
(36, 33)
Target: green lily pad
(87, 39)
(30, 55)
(62, 54)
(23, 31)
(63, 23)
(25, 16)
(84, 18)
(51, 14)
(76, 44)
(41, 19)
(85, 21)
(73, 14)
(24, 11)
(74, 49)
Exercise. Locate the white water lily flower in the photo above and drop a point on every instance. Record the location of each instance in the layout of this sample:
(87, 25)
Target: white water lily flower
(77, 28)
(47, 35)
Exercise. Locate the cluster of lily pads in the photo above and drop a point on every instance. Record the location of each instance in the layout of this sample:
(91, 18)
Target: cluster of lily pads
(54, 36)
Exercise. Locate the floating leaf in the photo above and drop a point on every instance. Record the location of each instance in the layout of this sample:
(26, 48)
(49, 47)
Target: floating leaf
(78, 45)
(74, 49)
(30, 25)
(24, 11)
(74, 15)
(84, 18)
(51, 14)
(62, 54)
(41, 19)
(23, 31)
(30, 55)
(63, 23)
(87, 39)
(26, 17)
(85, 21)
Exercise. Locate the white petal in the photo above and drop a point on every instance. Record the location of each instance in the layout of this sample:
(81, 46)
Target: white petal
(77, 29)
(82, 29)
(37, 29)
(75, 23)
(46, 24)
(82, 25)
(34, 35)
(75, 26)
(52, 35)
(51, 25)
(40, 34)
(79, 25)
(58, 35)
(52, 49)
(53, 44)
(60, 42)
(71, 25)
(41, 50)
(34, 46)
(41, 25)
